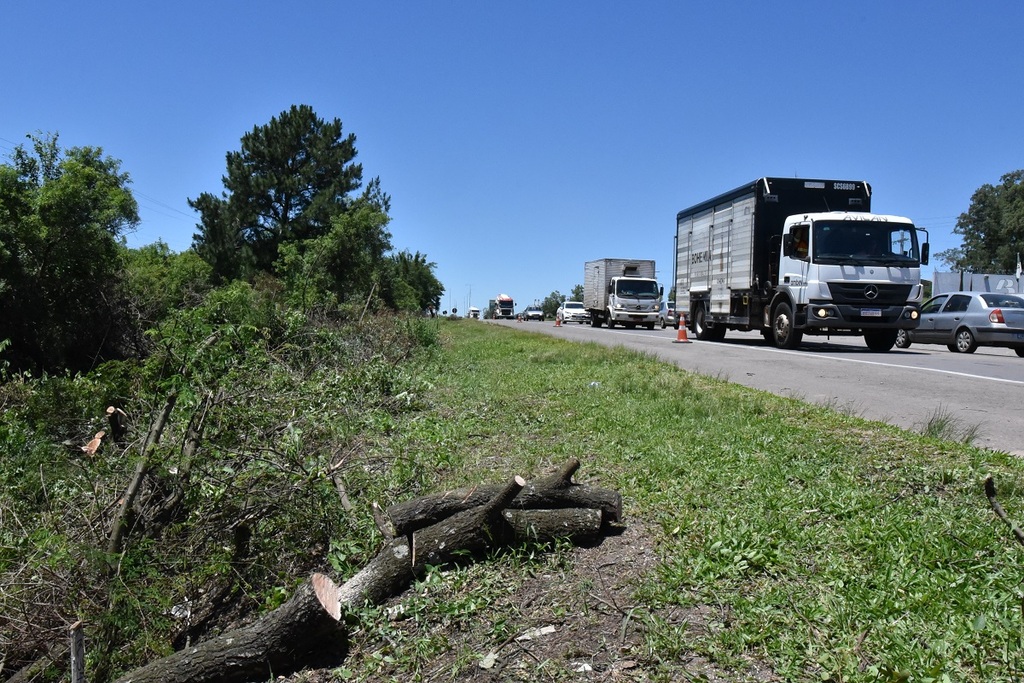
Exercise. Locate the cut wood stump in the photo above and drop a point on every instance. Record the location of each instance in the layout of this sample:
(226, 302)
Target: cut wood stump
(306, 630)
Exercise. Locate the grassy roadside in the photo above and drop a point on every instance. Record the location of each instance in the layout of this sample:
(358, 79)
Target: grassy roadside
(822, 546)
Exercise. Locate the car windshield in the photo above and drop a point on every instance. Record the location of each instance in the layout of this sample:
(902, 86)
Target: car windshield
(865, 242)
(642, 289)
(573, 304)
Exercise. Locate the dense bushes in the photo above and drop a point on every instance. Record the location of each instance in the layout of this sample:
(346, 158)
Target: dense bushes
(272, 421)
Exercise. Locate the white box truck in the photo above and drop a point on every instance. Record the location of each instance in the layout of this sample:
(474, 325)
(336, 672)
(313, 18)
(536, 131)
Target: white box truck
(791, 256)
(619, 291)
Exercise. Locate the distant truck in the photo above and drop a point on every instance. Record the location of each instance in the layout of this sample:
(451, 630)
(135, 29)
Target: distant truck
(504, 307)
(790, 256)
(620, 291)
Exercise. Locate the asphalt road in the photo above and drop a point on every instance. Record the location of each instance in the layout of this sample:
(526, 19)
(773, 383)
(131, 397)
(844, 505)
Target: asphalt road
(905, 387)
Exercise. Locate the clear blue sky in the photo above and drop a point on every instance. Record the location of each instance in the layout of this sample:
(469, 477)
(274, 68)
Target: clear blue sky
(518, 140)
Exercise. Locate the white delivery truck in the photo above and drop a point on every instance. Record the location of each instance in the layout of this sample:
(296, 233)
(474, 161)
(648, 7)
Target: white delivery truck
(621, 291)
(791, 256)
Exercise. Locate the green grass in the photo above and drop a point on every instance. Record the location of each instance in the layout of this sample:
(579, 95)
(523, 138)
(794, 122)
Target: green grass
(828, 547)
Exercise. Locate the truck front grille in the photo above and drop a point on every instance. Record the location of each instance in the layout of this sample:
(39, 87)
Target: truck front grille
(869, 293)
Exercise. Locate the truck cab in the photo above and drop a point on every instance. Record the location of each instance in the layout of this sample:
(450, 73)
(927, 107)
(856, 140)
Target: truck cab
(633, 301)
(842, 271)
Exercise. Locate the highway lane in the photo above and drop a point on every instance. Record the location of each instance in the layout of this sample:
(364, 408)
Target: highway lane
(905, 387)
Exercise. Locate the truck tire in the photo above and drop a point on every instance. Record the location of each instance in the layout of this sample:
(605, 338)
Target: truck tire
(700, 323)
(784, 327)
(702, 329)
(611, 321)
(880, 341)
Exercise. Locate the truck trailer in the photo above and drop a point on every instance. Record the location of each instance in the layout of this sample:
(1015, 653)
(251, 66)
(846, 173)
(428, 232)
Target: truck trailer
(621, 291)
(790, 256)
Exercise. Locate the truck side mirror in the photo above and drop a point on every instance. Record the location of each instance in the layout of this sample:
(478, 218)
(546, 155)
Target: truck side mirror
(610, 289)
(924, 254)
(661, 290)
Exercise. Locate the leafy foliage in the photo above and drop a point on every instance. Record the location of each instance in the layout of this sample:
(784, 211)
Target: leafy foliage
(160, 281)
(551, 303)
(272, 421)
(992, 229)
(412, 285)
(62, 217)
(290, 179)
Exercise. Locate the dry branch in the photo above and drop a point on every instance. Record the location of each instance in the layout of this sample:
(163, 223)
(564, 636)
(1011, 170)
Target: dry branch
(990, 492)
(395, 567)
(547, 493)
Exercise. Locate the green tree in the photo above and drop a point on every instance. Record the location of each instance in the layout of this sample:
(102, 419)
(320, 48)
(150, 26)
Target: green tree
(290, 179)
(414, 275)
(577, 293)
(344, 265)
(63, 214)
(160, 280)
(992, 229)
(551, 303)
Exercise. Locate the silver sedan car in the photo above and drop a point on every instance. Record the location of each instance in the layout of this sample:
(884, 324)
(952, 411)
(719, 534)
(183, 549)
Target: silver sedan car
(963, 321)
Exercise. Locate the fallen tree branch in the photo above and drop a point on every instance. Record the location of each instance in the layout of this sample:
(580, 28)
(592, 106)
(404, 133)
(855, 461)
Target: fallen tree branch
(990, 492)
(308, 629)
(547, 493)
(305, 630)
(405, 557)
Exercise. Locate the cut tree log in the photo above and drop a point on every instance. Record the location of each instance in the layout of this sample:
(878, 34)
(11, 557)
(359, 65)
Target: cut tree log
(306, 630)
(395, 567)
(578, 525)
(551, 492)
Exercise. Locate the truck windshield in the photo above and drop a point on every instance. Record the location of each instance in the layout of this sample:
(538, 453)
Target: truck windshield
(641, 289)
(865, 242)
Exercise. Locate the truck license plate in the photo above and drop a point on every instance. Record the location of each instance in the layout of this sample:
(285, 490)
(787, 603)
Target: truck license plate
(871, 312)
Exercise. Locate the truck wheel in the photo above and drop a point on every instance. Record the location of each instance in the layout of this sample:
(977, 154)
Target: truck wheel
(700, 323)
(611, 321)
(784, 328)
(702, 329)
(880, 341)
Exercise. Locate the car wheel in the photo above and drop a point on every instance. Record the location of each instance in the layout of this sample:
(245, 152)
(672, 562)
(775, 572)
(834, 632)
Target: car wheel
(965, 342)
(902, 340)
(1019, 351)
(662, 323)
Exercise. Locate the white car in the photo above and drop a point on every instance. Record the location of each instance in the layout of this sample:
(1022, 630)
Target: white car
(573, 312)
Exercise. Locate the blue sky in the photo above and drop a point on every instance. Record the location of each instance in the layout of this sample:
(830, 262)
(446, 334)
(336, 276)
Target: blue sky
(518, 140)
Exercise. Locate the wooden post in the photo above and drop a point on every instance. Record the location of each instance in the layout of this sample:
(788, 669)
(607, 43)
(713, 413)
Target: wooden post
(77, 653)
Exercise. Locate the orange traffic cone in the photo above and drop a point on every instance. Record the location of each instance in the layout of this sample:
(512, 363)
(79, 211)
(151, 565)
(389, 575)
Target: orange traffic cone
(681, 336)
(558, 321)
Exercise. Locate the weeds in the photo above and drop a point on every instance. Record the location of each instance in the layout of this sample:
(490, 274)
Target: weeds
(944, 425)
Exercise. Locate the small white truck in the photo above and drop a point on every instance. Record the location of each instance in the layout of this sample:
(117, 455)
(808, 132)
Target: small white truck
(619, 291)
